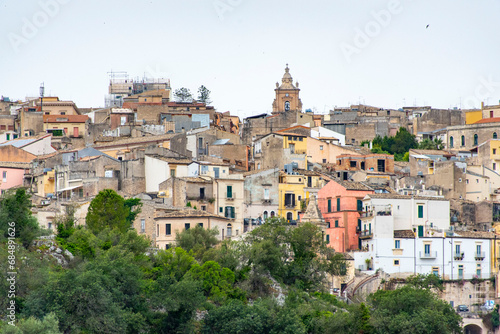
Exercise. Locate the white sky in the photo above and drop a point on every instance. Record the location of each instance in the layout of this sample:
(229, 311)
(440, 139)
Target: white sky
(238, 49)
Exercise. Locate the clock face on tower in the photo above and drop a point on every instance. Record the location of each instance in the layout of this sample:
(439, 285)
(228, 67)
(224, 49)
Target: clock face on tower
(287, 106)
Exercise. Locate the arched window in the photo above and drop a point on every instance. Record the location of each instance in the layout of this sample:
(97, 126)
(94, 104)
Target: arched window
(272, 214)
(463, 141)
(229, 230)
(475, 139)
(451, 142)
(265, 215)
(289, 216)
(495, 135)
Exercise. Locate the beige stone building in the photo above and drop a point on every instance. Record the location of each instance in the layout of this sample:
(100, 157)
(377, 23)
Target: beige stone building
(169, 224)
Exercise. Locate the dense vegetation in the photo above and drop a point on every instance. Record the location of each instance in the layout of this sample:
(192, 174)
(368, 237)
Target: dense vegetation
(271, 282)
(400, 144)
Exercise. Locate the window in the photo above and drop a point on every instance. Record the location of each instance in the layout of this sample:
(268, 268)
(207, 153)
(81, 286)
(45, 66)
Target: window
(353, 163)
(290, 138)
(494, 166)
(397, 244)
(475, 139)
(362, 165)
(157, 229)
(478, 270)
(336, 223)
(229, 192)
(396, 262)
(200, 225)
(289, 216)
(338, 204)
(266, 193)
(203, 208)
(290, 200)
(168, 229)
(359, 205)
(451, 142)
(229, 230)
(272, 214)
(495, 135)
(50, 225)
(457, 249)
(463, 140)
(494, 151)
(328, 225)
(143, 225)
(329, 205)
(172, 172)
(435, 271)
(427, 249)
(460, 271)
(265, 214)
(327, 238)
(4, 176)
(220, 209)
(420, 211)
(187, 226)
(466, 181)
(229, 212)
(324, 161)
(167, 246)
(321, 147)
(478, 250)
(491, 113)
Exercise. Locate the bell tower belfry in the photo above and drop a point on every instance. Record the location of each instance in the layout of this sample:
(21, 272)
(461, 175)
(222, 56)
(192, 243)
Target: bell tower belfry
(287, 95)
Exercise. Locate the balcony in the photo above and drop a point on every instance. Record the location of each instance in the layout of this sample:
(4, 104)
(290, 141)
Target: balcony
(479, 255)
(366, 234)
(458, 256)
(374, 211)
(267, 201)
(429, 255)
(230, 196)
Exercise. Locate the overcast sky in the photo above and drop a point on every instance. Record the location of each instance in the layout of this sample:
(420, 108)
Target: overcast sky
(384, 53)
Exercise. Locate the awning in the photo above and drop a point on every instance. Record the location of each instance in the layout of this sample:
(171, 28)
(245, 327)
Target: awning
(69, 188)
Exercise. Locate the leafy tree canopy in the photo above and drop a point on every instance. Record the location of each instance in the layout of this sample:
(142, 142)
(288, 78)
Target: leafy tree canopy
(15, 207)
(204, 95)
(183, 95)
(108, 209)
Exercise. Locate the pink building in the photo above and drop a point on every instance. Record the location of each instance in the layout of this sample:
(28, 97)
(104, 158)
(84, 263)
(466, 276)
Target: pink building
(340, 203)
(12, 174)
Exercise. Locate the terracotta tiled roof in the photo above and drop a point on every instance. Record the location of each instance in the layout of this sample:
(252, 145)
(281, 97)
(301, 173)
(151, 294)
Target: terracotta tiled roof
(65, 118)
(474, 235)
(432, 152)
(488, 120)
(397, 196)
(190, 213)
(352, 185)
(404, 234)
(136, 140)
(181, 161)
(19, 165)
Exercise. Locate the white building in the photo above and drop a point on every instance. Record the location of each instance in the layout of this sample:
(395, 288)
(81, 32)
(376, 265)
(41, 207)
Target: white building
(158, 169)
(404, 235)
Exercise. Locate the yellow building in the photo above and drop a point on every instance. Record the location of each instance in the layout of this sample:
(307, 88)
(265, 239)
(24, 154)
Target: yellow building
(472, 116)
(71, 125)
(294, 190)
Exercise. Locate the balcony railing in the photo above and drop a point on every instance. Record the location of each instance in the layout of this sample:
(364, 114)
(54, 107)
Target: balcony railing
(428, 255)
(479, 255)
(366, 234)
(230, 196)
(458, 256)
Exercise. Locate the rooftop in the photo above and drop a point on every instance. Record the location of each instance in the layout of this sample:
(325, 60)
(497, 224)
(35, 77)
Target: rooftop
(189, 213)
(398, 196)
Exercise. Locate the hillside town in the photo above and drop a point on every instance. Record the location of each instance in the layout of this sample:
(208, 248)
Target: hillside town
(398, 192)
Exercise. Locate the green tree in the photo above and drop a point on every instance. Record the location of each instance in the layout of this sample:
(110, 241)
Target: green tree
(16, 217)
(428, 144)
(405, 309)
(134, 208)
(197, 239)
(183, 95)
(48, 325)
(108, 209)
(204, 95)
